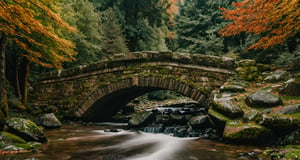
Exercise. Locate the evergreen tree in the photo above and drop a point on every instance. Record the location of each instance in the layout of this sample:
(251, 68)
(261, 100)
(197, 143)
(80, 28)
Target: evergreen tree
(197, 25)
(113, 39)
(82, 15)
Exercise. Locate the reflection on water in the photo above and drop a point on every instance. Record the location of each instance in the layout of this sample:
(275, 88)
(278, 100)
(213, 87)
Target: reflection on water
(92, 142)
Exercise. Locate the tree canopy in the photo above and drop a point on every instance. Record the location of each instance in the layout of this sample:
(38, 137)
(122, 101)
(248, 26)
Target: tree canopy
(274, 20)
(34, 25)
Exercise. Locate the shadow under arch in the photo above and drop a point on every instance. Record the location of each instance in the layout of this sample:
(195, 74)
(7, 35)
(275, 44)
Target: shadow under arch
(102, 104)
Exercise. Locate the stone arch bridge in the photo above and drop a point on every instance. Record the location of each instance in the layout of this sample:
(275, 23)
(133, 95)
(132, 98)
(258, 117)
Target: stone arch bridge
(97, 91)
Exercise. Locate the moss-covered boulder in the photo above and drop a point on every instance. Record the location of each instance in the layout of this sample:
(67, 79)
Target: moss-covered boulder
(141, 119)
(263, 98)
(281, 124)
(14, 138)
(228, 108)
(249, 133)
(26, 129)
(277, 76)
(246, 63)
(217, 119)
(49, 121)
(290, 109)
(292, 88)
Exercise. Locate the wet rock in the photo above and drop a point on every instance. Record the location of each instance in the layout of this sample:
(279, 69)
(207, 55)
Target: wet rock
(181, 132)
(26, 129)
(141, 119)
(290, 109)
(252, 115)
(249, 133)
(112, 130)
(282, 124)
(232, 88)
(292, 138)
(49, 121)
(178, 119)
(217, 119)
(263, 98)
(199, 122)
(292, 88)
(163, 119)
(153, 129)
(228, 108)
(279, 75)
(12, 137)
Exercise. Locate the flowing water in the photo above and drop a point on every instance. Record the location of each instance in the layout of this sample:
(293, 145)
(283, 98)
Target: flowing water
(94, 142)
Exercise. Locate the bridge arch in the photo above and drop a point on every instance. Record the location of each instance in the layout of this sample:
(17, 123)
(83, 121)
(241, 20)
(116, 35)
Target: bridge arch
(78, 91)
(102, 104)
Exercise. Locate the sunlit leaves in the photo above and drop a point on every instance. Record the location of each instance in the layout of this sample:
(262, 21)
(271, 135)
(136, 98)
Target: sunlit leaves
(274, 20)
(33, 24)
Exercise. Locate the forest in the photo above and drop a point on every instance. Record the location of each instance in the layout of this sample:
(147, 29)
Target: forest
(38, 36)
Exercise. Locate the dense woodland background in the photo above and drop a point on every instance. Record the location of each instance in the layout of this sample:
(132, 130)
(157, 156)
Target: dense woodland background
(39, 36)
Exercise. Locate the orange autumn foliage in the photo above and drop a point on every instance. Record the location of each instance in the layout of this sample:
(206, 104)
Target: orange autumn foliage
(33, 25)
(274, 20)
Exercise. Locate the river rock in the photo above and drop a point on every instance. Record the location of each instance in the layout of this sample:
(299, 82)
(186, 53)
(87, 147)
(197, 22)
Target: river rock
(281, 124)
(263, 98)
(141, 119)
(217, 119)
(199, 122)
(232, 88)
(277, 76)
(292, 88)
(290, 109)
(26, 129)
(246, 133)
(228, 108)
(49, 121)
(178, 119)
(292, 138)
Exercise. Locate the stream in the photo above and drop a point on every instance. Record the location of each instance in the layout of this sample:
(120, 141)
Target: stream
(111, 141)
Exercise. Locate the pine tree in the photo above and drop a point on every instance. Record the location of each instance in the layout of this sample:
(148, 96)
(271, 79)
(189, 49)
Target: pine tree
(113, 39)
(82, 15)
(197, 25)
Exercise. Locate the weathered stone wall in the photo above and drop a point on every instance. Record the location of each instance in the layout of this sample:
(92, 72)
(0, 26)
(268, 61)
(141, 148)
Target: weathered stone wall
(83, 90)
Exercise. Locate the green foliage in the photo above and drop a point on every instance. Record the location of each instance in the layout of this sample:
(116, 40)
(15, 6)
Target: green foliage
(113, 39)
(161, 95)
(197, 26)
(88, 39)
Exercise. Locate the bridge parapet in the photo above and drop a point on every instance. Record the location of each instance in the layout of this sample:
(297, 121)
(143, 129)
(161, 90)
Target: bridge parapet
(143, 57)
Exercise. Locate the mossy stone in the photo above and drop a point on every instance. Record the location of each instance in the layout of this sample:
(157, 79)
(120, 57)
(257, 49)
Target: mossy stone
(26, 129)
(252, 133)
(14, 138)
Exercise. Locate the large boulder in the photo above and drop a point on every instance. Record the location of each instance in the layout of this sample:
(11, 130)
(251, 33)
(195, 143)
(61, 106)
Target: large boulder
(277, 76)
(281, 124)
(228, 108)
(141, 119)
(199, 122)
(246, 133)
(290, 109)
(292, 88)
(26, 129)
(263, 98)
(217, 119)
(49, 121)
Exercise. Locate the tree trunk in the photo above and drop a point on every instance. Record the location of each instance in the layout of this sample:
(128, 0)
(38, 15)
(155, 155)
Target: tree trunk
(3, 92)
(17, 83)
(26, 83)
